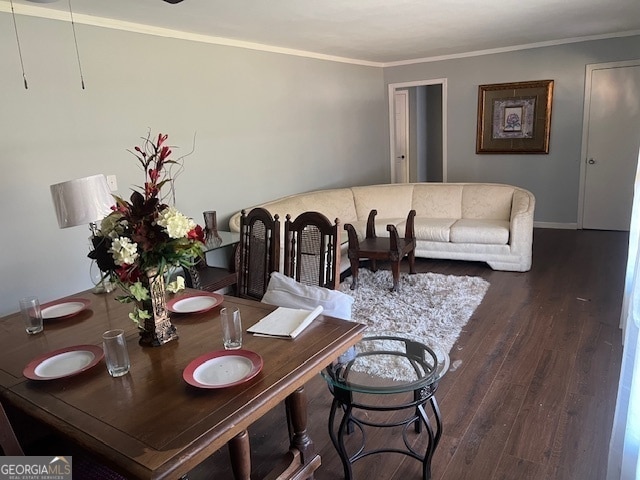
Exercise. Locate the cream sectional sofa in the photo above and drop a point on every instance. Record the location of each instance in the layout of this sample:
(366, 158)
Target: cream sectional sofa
(491, 223)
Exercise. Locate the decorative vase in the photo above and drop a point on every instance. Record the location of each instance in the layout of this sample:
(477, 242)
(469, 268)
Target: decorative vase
(158, 329)
(211, 237)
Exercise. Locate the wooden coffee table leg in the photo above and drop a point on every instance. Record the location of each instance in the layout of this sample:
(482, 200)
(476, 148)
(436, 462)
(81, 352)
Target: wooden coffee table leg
(240, 453)
(355, 263)
(412, 261)
(395, 270)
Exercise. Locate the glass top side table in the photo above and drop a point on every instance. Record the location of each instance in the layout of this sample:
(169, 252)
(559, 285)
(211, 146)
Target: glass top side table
(388, 372)
(222, 239)
(205, 277)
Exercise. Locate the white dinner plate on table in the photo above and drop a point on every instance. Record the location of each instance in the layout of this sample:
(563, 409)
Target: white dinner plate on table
(195, 303)
(63, 362)
(223, 368)
(64, 308)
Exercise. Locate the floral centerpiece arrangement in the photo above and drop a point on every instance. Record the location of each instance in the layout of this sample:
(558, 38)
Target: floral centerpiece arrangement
(142, 238)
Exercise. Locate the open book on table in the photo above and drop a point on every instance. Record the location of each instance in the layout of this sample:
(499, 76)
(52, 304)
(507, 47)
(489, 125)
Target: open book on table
(285, 322)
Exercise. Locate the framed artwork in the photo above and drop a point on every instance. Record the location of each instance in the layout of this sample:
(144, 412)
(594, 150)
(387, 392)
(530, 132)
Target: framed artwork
(514, 117)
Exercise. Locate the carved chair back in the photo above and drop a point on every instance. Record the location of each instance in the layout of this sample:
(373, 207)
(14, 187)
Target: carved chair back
(312, 250)
(259, 252)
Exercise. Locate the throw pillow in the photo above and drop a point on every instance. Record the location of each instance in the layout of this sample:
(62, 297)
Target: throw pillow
(284, 291)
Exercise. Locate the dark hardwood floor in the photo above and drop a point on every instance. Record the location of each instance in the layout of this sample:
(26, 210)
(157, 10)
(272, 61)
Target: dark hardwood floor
(532, 393)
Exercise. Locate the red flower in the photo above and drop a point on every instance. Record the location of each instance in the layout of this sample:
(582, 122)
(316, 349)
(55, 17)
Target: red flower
(128, 273)
(164, 153)
(196, 233)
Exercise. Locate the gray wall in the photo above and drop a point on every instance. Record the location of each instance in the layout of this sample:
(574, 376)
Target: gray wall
(265, 125)
(553, 178)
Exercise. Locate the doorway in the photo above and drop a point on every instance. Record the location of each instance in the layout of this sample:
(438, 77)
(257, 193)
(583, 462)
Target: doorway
(401, 150)
(611, 140)
(425, 134)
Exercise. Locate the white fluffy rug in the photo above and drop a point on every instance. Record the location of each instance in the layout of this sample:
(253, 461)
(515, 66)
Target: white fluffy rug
(431, 306)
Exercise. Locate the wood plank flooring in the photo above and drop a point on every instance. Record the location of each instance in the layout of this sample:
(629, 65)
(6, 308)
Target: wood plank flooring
(532, 391)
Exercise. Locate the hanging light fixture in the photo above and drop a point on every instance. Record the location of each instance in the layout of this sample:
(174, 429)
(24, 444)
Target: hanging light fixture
(15, 26)
(75, 40)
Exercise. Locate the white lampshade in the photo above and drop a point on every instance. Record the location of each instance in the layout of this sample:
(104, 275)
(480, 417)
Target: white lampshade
(82, 201)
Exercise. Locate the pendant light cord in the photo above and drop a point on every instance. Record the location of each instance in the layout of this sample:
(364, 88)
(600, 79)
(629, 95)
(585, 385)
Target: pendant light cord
(15, 26)
(75, 41)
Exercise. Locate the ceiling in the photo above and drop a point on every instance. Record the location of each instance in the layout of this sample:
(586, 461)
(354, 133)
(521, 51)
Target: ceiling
(375, 31)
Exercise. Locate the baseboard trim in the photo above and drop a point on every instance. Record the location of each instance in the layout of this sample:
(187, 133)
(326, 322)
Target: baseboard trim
(562, 226)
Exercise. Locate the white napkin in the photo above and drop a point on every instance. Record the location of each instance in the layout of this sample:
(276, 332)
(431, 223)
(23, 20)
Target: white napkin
(285, 322)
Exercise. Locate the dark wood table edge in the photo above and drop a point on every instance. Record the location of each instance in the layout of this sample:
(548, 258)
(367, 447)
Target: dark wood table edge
(172, 470)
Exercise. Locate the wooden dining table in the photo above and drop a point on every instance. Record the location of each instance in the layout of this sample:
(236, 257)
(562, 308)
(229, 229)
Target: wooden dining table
(150, 423)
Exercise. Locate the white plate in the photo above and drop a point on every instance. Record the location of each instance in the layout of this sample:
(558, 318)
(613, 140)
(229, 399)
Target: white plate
(223, 368)
(63, 362)
(63, 309)
(195, 303)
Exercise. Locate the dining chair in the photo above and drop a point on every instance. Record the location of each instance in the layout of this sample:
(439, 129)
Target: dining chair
(259, 252)
(312, 250)
(8, 440)
(83, 466)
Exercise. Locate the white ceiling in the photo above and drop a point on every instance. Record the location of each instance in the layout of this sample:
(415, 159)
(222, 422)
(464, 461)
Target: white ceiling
(377, 31)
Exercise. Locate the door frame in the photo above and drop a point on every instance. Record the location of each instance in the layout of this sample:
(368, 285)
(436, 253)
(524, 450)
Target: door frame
(405, 141)
(585, 126)
(392, 87)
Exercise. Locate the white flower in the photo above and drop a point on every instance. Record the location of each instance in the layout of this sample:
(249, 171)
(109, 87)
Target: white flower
(124, 251)
(176, 285)
(176, 224)
(113, 225)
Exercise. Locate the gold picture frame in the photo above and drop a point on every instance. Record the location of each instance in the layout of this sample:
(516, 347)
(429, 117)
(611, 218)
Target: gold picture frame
(514, 117)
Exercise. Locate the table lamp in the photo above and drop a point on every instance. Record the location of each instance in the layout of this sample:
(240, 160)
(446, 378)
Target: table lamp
(84, 201)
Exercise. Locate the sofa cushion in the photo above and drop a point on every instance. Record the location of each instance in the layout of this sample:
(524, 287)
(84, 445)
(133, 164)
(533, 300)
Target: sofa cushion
(391, 201)
(487, 201)
(284, 291)
(489, 232)
(439, 200)
(430, 229)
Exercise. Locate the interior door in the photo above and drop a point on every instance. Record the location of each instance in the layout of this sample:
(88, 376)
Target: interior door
(613, 139)
(401, 165)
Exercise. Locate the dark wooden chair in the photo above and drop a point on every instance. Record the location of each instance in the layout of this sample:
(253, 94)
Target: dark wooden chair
(83, 466)
(8, 440)
(392, 249)
(312, 250)
(259, 252)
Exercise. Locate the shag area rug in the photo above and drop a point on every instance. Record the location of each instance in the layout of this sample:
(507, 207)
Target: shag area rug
(430, 306)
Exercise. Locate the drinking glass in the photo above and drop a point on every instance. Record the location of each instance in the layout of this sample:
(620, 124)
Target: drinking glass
(115, 352)
(231, 328)
(32, 315)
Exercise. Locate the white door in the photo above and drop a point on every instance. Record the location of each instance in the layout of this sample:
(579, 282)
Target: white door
(612, 111)
(401, 165)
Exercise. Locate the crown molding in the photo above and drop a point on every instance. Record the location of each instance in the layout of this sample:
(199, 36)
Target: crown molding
(78, 18)
(513, 48)
(62, 15)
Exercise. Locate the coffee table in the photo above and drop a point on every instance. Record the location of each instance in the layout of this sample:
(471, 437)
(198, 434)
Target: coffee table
(392, 249)
(359, 389)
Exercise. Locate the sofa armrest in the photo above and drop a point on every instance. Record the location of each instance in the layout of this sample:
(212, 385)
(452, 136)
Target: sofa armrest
(521, 221)
(234, 222)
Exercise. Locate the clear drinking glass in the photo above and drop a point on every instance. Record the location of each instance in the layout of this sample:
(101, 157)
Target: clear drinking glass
(116, 354)
(32, 315)
(231, 328)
